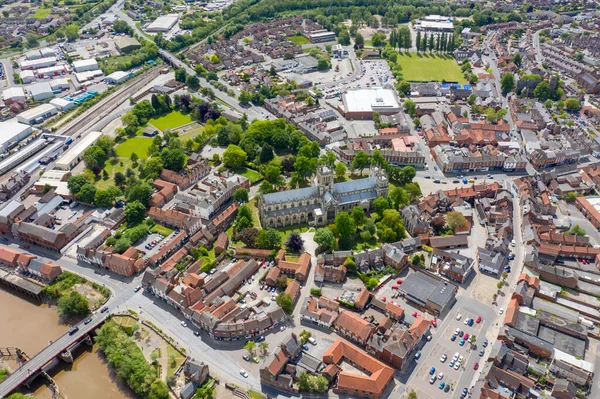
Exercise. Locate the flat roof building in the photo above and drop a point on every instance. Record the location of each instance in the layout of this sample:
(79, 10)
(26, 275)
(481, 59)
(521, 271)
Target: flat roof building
(361, 104)
(27, 76)
(89, 64)
(37, 114)
(61, 104)
(13, 94)
(12, 131)
(321, 37)
(73, 155)
(163, 23)
(429, 292)
(117, 77)
(127, 44)
(39, 63)
(41, 91)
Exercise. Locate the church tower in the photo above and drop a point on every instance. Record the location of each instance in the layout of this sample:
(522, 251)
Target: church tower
(381, 181)
(324, 179)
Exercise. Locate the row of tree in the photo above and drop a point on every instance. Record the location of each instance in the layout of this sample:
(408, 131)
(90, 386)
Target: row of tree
(440, 42)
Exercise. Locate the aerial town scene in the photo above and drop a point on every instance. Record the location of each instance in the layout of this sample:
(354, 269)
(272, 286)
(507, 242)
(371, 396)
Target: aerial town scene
(264, 199)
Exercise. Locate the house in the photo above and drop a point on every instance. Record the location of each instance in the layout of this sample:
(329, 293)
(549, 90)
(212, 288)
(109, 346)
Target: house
(453, 265)
(429, 292)
(293, 289)
(298, 269)
(333, 274)
(47, 271)
(196, 371)
(354, 327)
(221, 243)
(322, 311)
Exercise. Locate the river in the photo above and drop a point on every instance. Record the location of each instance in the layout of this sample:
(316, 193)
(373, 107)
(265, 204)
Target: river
(29, 326)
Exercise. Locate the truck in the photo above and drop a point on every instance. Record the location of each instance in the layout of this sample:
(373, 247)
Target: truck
(588, 323)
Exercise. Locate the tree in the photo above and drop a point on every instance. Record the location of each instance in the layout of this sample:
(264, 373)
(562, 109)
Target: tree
(500, 284)
(577, 230)
(285, 302)
(572, 104)
(245, 97)
(295, 243)
(391, 227)
(455, 220)
(248, 236)
(407, 174)
(94, 158)
(570, 197)
(73, 304)
(266, 154)
(250, 347)
(76, 182)
(412, 395)
(72, 32)
(417, 260)
(507, 83)
(106, 198)
(322, 64)
(87, 193)
(192, 82)
(180, 75)
(234, 156)
(173, 159)
(345, 226)
(140, 192)
(398, 197)
(371, 283)
(305, 166)
(411, 107)
(517, 59)
(340, 170)
(264, 348)
(359, 39)
(122, 245)
(134, 212)
(380, 205)
(269, 239)
(438, 223)
(358, 214)
(542, 91)
(158, 390)
(325, 238)
(361, 161)
(403, 87)
(241, 194)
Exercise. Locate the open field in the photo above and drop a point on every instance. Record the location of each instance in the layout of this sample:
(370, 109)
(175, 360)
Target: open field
(139, 145)
(252, 175)
(426, 68)
(111, 169)
(298, 40)
(171, 120)
(42, 12)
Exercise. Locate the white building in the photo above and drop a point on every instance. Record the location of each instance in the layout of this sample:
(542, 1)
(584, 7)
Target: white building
(56, 179)
(39, 63)
(41, 91)
(74, 154)
(363, 103)
(47, 52)
(163, 23)
(27, 76)
(13, 94)
(117, 77)
(59, 84)
(51, 71)
(61, 104)
(33, 55)
(88, 75)
(37, 114)
(12, 131)
(435, 23)
(85, 65)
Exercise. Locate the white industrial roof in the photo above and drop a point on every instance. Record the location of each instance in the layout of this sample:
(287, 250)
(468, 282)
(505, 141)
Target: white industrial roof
(73, 152)
(572, 360)
(82, 63)
(436, 25)
(366, 100)
(33, 113)
(11, 128)
(118, 75)
(60, 102)
(40, 88)
(163, 22)
(13, 92)
(26, 73)
(39, 61)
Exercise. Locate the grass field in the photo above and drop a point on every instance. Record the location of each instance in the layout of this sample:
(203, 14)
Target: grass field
(158, 229)
(111, 169)
(139, 145)
(42, 12)
(125, 321)
(172, 367)
(252, 175)
(171, 120)
(298, 40)
(190, 134)
(425, 68)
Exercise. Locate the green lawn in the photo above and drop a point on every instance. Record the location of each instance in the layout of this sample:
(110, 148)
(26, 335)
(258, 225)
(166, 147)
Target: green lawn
(171, 368)
(426, 67)
(158, 229)
(171, 120)
(286, 231)
(252, 175)
(139, 145)
(190, 134)
(42, 12)
(111, 169)
(298, 40)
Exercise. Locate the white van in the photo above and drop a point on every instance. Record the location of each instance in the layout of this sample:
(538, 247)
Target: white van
(312, 340)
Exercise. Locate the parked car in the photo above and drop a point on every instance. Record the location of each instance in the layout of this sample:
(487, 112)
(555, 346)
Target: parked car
(471, 321)
(464, 393)
(183, 324)
(462, 342)
(305, 347)
(432, 380)
(453, 338)
(485, 343)
(260, 339)
(104, 309)
(432, 371)
(467, 321)
(443, 358)
(447, 388)
(451, 364)
(478, 320)
(417, 355)
(458, 316)
(246, 358)
(466, 337)
(244, 373)
(481, 352)
(312, 340)
(476, 366)
(442, 385)
(440, 376)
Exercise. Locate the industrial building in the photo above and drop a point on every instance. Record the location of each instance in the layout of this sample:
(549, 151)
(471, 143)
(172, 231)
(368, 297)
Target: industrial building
(163, 23)
(59, 84)
(27, 76)
(88, 75)
(13, 94)
(61, 104)
(37, 114)
(57, 179)
(127, 44)
(435, 23)
(363, 103)
(12, 131)
(39, 63)
(51, 71)
(321, 37)
(429, 292)
(74, 154)
(89, 64)
(117, 77)
(41, 91)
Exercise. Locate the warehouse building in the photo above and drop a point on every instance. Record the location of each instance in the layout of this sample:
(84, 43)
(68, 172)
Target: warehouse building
(321, 37)
(51, 71)
(41, 91)
(163, 23)
(27, 76)
(429, 292)
(12, 131)
(37, 114)
(13, 94)
(435, 23)
(59, 84)
(73, 156)
(61, 104)
(33, 55)
(89, 64)
(117, 77)
(363, 103)
(127, 44)
(39, 63)
(88, 75)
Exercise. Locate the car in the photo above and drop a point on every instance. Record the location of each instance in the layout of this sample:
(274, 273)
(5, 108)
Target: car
(453, 338)
(442, 385)
(451, 363)
(417, 355)
(501, 310)
(434, 323)
(466, 337)
(464, 393)
(456, 366)
(455, 181)
(462, 342)
(139, 287)
(244, 373)
(183, 324)
(260, 339)
(467, 321)
(428, 177)
(399, 281)
(485, 343)
(384, 299)
(429, 338)
(87, 321)
(481, 353)
(73, 330)
(476, 366)
(513, 243)
(246, 358)
(471, 322)
(312, 340)
(478, 320)
(282, 328)
(457, 331)
(432, 380)
(432, 371)
(255, 360)
(455, 357)
(104, 309)
(305, 347)
(461, 334)
(458, 316)
(461, 359)
(197, 333)
(440, 376)
(394, 287)
(415, 314)
(443, 358)
(447, 388)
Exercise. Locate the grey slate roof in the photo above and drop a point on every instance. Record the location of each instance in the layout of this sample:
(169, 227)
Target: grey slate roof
(354, 185)
(291, 195)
